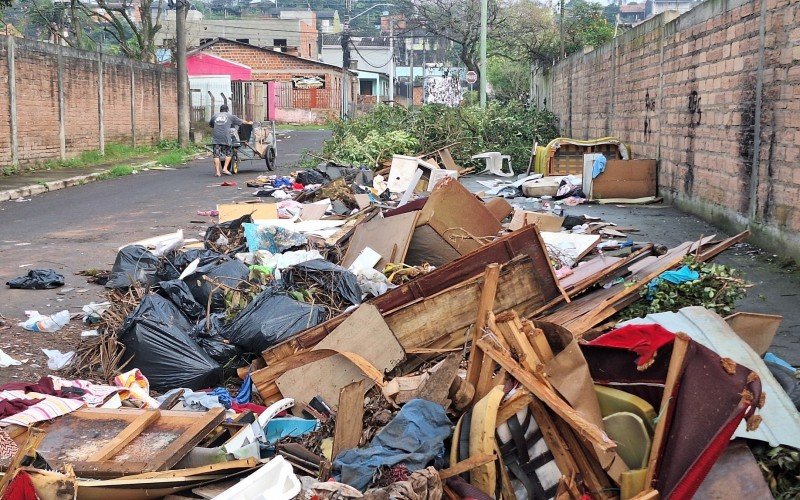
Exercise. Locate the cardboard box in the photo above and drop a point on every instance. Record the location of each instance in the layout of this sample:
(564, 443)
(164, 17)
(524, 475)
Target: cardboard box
(626, 179)
(542, 221)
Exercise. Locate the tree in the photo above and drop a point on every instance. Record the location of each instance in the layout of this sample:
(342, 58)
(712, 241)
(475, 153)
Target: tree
(136, 39)
(531, 34)
(585, 25)
(457, 21)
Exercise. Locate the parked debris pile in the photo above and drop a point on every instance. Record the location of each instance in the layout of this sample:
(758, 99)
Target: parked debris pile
(402, 337)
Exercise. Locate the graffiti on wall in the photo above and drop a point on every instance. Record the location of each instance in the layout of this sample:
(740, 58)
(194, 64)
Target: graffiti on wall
(649, 113)
(695, 111)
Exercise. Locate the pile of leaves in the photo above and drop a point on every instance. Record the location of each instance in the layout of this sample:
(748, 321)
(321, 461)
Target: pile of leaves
(781, 469)
(718, 288)
(374, 137)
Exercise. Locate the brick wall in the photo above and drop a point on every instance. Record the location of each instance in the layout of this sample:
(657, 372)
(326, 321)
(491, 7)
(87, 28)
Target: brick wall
(36, 68)
(713, 96)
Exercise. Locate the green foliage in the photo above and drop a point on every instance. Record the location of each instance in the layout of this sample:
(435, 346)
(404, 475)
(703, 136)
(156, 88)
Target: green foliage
(117, 171)
(506, 127)
(781, 469)
(585, 25)
(718, 288)
(510, 80)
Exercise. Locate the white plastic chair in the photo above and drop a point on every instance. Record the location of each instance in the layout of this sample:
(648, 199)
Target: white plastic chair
(494, 163)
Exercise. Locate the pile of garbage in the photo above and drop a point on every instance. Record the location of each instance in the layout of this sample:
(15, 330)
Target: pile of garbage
(398, 336)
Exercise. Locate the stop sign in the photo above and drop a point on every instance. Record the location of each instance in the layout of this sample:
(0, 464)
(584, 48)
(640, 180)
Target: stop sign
(472, 77)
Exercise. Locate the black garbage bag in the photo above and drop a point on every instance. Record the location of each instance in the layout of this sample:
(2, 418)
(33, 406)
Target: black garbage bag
(319, 273)
(176, 262)
(157, 340)
(230, 273)
(38, 279)
(310, 176)
(206, 334)
(227, 237)
(134, 265)
(178, 292)
(269, 319)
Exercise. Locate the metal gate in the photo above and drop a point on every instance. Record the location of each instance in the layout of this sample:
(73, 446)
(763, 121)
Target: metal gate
(248, 100)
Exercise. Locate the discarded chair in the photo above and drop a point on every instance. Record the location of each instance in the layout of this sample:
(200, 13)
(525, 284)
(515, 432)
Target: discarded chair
(494, 163)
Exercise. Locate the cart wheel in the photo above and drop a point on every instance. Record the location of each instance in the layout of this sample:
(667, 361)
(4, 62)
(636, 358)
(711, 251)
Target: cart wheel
(235, 165)
(270, 159)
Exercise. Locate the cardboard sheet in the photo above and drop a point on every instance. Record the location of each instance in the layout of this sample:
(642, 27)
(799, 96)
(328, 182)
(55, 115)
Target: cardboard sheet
(389, 236)
(232, 211)
(570, 247)
(543, 221)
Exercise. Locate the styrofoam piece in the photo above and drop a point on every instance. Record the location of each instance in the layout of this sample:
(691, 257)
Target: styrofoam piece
(273, 481)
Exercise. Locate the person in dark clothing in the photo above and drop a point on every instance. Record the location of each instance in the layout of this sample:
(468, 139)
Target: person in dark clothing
(221, 123)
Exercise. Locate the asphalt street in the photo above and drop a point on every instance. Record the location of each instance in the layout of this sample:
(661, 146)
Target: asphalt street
(82, 227)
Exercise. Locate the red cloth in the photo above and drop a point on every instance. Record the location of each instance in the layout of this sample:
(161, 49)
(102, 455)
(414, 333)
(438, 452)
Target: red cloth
(9, 407)
(257, 409)
(21, 488)
(45, 386)
(644, 340)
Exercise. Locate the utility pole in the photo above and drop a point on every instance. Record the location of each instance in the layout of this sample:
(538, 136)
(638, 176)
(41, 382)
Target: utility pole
(411, 72)
(424, 69)
(391, 61)
(484, 28)
(346, 59)
(181, 11)
(561, 28)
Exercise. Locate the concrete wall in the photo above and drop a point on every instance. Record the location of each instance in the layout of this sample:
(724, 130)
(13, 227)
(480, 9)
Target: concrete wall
(714, 95)
(51, 107)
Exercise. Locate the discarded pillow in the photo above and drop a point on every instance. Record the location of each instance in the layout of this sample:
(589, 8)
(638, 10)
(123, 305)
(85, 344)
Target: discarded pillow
(38, 279)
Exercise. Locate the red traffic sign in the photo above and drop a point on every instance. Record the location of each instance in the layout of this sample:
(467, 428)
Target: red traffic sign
(472, 77)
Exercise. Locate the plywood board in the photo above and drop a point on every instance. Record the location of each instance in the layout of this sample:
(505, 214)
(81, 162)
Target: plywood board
(364, 333)
(390, 237)
(232, 211)
(626, 179)
(757, 330)
(75, 437)
(313, 211)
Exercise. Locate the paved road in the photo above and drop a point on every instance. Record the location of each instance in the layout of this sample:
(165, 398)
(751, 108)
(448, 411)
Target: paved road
(82, 227)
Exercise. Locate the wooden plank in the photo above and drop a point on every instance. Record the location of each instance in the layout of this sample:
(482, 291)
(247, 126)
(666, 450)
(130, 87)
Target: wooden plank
(540, 389)
(28, 449)
(205, 470)
(679, 347)
(133, 429)
(466, 465)
(486, 303)
(349, 418)
(437, 387)
(258, 211)
(722, 246)
(520, 400)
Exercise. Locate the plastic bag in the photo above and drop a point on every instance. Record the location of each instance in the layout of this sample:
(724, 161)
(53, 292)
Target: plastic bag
(306, 177)
(274, 239)
(40, 323)
(178, 292)
(227, 237)
(38, 279)
(230, 273)
(157, 342)
(56, 360)
(325, 275)
(134, 265)
(269, 319)
(206, 334)
(176, 262)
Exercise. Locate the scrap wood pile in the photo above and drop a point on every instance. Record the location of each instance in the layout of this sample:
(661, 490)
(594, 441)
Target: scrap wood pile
(427, 343)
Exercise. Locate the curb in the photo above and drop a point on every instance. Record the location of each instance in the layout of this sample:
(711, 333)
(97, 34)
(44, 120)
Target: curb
(34, 189)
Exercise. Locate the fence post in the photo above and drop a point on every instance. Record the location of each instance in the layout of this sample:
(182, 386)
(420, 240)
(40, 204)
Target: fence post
(62, 130)
(12, 99)
(158, 92)
(101, 126)
(133, 106)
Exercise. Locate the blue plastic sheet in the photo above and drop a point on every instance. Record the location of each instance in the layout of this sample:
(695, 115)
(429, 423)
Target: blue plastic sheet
(279, 428)
(682, 275)
(414, 438)
(599, 166)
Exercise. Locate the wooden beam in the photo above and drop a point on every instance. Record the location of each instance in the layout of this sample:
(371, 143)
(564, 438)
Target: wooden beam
(349, 418)
(466, 465)
(679, 348)
(540, 389)
(127, 435)
(491, 277)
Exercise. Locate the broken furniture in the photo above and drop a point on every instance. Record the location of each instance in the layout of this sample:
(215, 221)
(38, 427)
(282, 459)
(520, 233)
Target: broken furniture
(564, 156)
(494, 163)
